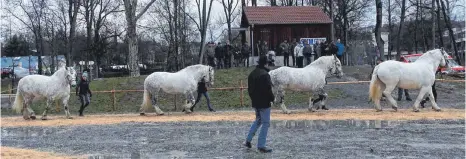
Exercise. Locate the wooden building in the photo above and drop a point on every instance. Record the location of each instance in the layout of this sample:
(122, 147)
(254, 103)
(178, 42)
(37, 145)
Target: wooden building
(274, 24)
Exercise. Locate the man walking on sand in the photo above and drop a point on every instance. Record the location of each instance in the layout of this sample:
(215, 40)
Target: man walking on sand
(260, 92)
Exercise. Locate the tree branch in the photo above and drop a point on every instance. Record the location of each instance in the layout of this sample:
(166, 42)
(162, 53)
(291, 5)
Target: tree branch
(145, 9)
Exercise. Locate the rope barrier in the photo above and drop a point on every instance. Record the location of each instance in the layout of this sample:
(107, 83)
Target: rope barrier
(236, 88)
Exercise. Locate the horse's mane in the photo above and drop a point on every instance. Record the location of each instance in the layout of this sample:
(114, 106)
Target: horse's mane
(192, 68)
(320, 61)
(61, 71)
(428, 55)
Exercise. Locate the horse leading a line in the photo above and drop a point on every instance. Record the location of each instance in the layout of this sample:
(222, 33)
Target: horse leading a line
(181, 82)
(55, 87)
(310, 78)
(417, 75)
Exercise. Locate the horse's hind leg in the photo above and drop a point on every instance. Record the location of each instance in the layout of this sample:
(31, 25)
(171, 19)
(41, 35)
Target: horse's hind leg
(432, 100)
(28, 101)
(25, 110)
(422, 92)
(47, 107)
(189, 102)
(158, 111)
(388, 94)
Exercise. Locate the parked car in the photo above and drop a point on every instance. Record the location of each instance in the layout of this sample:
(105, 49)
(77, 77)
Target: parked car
(453, 67)
(6, 72)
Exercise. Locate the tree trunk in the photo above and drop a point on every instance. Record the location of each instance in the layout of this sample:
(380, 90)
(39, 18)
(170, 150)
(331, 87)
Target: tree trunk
(133, 51)
(378, 26)
(73, 7)
(390, 30)
(415, 26)
(332, 27)
(439, 30)
(432, 10)
(402, 18)
(450, 31)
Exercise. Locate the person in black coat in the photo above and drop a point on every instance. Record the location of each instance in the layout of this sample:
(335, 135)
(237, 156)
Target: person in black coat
(202, 90)
(85, 93)
(260, 92)
(219, 55)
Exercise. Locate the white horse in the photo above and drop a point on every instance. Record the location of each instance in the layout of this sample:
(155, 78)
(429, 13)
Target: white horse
(55, 87)
(417, 75)
(182, 82)
(310, 78)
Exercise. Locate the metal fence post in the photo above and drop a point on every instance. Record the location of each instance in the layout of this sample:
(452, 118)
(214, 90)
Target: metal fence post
(114, 99)
(241, 91)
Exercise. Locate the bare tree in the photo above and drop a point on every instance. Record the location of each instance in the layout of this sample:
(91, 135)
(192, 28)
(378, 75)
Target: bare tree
(34, 10)
(450, 31)
(204, 18)
(229, 8)
(131, 20)
(402, 18)
(73, 8)
(378, 30)
(432, 10)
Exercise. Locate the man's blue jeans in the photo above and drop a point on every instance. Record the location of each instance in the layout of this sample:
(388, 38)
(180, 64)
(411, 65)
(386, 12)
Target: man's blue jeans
(206, 95)
(262, 118)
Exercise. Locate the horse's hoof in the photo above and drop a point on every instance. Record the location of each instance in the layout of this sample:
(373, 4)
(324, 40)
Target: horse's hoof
(438, 110)
(142, 114)
(416, 110)
(43, 118)
(26, 118)
(287, 112)
(378, 110)
(395, 108)
(69, 117)
(33, 117)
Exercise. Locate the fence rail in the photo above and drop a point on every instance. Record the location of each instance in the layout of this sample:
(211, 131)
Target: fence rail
(241, 88)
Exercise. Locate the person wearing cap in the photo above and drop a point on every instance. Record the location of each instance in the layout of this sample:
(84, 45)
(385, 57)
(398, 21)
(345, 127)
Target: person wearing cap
(260, 92)
(85, 93)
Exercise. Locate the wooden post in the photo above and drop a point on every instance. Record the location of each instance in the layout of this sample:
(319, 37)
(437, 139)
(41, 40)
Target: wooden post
(174, 101)
(114, 99)
(241, 90)
(57, 106)
(11, 92)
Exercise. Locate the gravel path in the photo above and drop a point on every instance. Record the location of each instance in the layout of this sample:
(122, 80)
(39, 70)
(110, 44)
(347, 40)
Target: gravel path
(290, 139)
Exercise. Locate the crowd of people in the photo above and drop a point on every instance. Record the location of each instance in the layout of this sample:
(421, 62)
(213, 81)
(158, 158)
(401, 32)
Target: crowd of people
(226, 55)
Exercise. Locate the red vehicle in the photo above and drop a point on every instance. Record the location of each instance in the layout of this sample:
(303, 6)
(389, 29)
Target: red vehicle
(453, 67)
(6, 72)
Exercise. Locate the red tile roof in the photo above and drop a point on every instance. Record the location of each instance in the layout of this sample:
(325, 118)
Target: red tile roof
(286, 15)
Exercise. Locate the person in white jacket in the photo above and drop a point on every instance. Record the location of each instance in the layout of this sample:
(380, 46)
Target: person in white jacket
(298, 52)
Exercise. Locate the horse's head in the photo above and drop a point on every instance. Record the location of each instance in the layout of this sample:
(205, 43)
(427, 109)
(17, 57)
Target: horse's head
(336, 67)
(208, 77)
(71, 76)
(443, 61)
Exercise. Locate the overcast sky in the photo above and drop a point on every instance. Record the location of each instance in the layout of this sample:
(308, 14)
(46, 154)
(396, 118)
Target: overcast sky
(217, 11)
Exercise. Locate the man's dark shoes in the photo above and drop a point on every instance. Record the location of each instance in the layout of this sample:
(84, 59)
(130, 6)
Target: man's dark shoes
(324, 108)
(212, 110)
(265, 150)
(248, 144)
(408, 99)
(399, 99)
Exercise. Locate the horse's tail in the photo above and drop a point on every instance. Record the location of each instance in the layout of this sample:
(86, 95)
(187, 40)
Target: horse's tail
(17, 105)
(375, 92)
(146, 102)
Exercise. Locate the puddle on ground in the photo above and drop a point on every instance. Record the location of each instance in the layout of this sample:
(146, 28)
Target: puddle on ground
(323, 124)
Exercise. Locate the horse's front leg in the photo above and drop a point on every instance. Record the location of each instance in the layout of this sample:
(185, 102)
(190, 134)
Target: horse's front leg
(65, 105)
(47, 107)
(421, 95)
(189, 102)
(322, 99)
(432, 100)
(281, 96)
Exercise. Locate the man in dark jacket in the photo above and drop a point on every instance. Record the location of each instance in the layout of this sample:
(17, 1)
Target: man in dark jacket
(291, 48)
(324, 48)
(228, 54)
(85, 93)
(219, 55)
(202, 90)
(285, 48)
(260, 92)
(245, 51)
(308, 53)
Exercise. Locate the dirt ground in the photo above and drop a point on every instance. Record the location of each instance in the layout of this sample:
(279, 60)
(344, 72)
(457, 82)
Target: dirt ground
(17, 153)
(335, 114)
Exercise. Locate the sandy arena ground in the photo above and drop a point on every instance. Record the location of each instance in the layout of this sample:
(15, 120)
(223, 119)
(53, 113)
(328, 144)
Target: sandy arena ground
(16, 153)
(335, 114)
